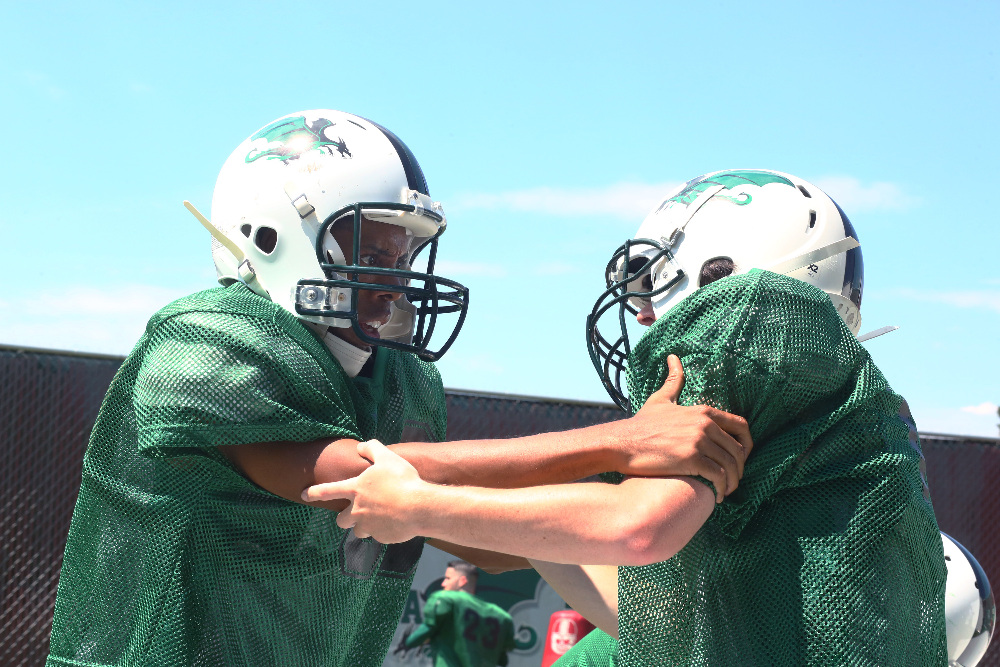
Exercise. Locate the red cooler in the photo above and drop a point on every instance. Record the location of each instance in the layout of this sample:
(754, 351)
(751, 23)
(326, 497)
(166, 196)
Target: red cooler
(566, 628)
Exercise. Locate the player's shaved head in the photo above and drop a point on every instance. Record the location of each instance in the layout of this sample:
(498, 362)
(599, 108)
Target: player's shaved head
(460, 576)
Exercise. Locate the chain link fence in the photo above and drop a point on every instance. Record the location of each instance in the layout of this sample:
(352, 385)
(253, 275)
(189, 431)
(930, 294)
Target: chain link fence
(49, 401)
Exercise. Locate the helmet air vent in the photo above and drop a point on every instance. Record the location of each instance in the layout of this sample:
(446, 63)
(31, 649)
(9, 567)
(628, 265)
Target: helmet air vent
(246, 230)
(804, 191)
(812, 219)
(266, 239)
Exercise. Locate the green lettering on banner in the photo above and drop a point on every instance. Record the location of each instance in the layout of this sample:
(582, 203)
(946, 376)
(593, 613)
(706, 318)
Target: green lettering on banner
(412, 609)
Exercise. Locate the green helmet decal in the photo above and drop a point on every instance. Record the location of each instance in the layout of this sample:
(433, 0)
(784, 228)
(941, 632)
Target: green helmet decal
(729, 179)
(296, 137)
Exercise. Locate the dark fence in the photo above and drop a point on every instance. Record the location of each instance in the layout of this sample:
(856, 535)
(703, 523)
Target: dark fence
(49, 400)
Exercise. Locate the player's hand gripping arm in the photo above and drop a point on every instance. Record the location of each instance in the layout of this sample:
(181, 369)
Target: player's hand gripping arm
(637, 522)
(662, 439)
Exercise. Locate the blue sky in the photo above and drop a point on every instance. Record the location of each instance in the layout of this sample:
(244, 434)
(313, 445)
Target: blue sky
(547, 130)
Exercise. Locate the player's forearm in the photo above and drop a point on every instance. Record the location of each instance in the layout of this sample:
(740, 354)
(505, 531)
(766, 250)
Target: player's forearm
(547, 458)
(639, 522)
(592, 590)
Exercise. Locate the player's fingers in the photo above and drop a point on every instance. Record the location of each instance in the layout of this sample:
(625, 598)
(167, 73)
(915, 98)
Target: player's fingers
(735, 426)
(714, 473)
(345, 488)
(345, 519)
(722, 458)
(733, 448)
(671, 389)
(370, 449)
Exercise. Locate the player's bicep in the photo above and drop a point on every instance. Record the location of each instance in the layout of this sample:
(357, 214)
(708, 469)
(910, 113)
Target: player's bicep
(285, 468)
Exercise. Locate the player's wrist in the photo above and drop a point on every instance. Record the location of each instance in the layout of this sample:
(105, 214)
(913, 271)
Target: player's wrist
(619, 445)
(419, 509)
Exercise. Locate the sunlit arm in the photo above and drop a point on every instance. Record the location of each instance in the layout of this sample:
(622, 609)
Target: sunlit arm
(638, 522)
(592, 590)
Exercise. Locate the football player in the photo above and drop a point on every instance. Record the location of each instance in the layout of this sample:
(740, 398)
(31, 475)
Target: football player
(827, 554)
(462, 629)
(190, 543)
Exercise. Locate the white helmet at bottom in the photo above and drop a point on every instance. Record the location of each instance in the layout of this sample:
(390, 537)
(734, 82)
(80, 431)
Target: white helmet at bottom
(969, 608)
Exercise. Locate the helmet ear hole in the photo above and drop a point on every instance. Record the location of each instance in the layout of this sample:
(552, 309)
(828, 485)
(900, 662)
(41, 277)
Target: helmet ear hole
(266, 239)
(714, 269)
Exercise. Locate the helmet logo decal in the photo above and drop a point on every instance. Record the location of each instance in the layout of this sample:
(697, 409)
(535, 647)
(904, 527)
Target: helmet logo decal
(288, 138)
(728, 180)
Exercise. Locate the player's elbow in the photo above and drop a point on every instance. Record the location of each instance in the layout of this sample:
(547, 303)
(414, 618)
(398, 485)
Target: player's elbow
(662, 519)
(644, 545)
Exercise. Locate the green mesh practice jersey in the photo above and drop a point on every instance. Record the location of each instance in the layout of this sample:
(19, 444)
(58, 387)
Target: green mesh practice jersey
(828, 553)
(597, 649)
(464, 630)
(174, 558)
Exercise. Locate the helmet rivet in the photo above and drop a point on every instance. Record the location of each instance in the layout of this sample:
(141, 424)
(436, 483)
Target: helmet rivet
(341, 297)
(311, 294)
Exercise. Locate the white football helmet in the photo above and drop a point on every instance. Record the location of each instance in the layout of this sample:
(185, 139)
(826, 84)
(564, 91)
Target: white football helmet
(750, 218)
(969, 608)
(280, 192)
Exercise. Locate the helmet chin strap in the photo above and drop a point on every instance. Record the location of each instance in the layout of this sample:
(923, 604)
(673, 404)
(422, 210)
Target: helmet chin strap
(245, 269)
(814, 256)
(818, 255)
(875, 333)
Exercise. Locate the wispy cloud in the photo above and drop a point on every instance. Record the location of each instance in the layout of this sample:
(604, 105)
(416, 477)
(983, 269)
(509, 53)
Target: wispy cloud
(853, 195)
(124, 301)
(626, 201)
(981, 409)
(959, 421)
(44, 84)
(83, 318)
(978, 299)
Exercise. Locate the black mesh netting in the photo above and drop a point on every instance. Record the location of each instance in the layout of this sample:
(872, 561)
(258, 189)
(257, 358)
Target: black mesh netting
(49, 400)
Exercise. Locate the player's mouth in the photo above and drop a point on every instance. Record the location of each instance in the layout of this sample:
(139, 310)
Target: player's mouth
(371, 328)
